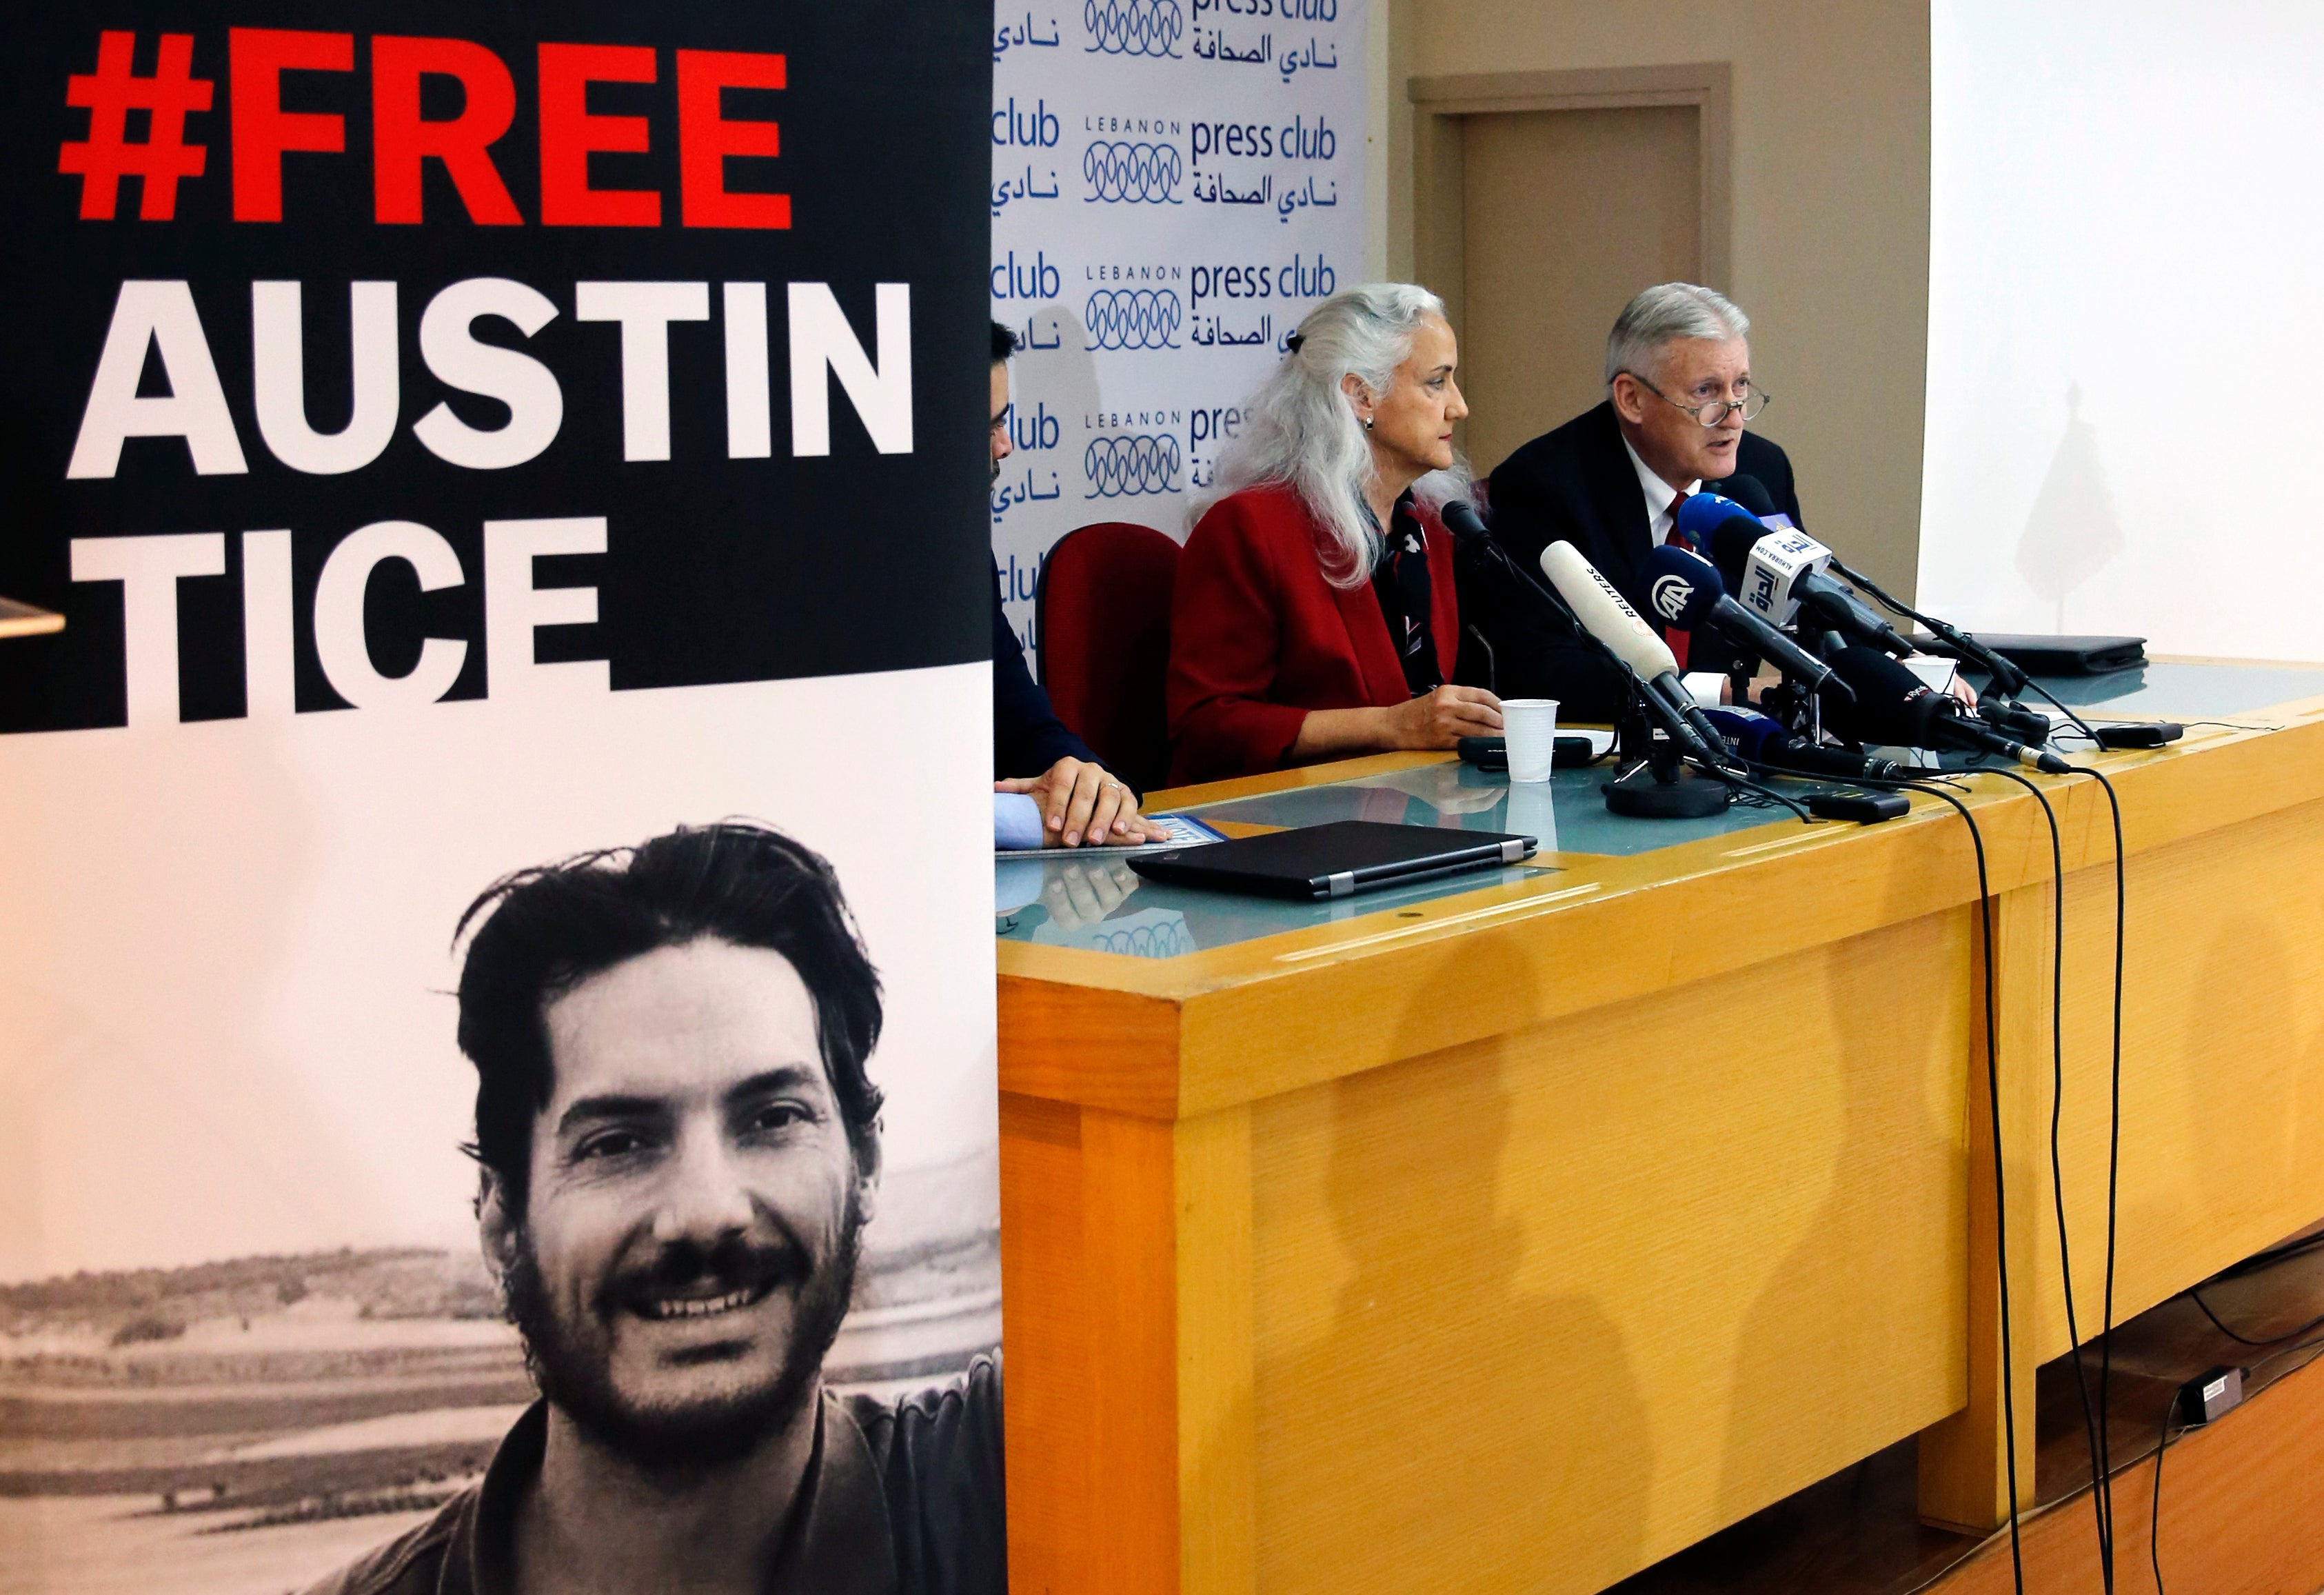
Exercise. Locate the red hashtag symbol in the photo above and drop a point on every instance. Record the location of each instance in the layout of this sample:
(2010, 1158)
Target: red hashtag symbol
(106, 156)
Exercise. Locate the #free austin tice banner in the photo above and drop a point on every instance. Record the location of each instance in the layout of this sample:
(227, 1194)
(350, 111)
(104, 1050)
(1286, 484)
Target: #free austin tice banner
(1175, 184)
(495, 862)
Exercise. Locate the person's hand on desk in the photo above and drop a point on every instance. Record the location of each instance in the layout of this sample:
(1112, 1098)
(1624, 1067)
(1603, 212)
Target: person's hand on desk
(1082, 802)
(1433, 720)
(1438, 719)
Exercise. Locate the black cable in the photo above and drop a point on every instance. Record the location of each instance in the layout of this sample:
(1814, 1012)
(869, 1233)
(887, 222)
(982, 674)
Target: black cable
(2101, 1481)
(2000, 1216)
(2062, 707)
(1955, 638)
(2195, 1293)
(2277, 1357)
(2114, 1120)
(1733, 780)
(2155, 1508)
(2273, 1255)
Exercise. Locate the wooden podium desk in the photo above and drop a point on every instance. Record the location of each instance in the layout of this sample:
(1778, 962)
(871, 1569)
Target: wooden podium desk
(1514, 1231)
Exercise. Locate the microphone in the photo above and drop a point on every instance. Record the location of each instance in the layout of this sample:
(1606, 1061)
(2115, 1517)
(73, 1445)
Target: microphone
(1686, 591)
(1782, 572)
(1752, 493)
(2031, 724)
(1608, 616)
(1468, 529)
(1763, 739)
(1892, 706)
(1462, 519)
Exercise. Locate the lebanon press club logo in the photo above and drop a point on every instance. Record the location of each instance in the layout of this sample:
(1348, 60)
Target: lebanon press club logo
(1134, 319)
(1131, 464)
(1134, 27)
(1136, 172)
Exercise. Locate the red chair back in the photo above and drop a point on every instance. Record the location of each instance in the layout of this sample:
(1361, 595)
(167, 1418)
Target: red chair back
(1103, 630)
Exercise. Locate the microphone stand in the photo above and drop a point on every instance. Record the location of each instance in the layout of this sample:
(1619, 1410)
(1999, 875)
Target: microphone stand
(2010, 681)
(2008, 678)
(1669, 798)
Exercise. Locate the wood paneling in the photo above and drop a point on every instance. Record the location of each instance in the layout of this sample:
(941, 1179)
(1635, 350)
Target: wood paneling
(1537, 1310)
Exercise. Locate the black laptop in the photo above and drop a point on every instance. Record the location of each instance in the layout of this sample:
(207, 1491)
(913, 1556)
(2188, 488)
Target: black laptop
(1334, 860)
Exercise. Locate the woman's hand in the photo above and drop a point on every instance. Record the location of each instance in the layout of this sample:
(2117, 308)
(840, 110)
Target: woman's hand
(1438, 719)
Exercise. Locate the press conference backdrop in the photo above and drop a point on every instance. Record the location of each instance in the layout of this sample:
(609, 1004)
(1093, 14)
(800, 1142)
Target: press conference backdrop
(1175, 184)
(2125, 261)
(420, 517)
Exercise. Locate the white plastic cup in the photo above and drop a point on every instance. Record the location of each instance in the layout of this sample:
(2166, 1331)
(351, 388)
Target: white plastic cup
(1529, 727)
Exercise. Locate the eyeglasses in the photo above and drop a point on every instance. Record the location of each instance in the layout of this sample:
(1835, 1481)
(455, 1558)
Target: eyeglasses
(1714, 411)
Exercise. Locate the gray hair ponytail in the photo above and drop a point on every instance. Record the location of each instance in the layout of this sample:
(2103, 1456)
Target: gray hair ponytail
(1302, 432)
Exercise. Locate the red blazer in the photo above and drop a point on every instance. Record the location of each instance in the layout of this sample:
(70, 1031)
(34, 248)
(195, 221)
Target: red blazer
(1258, 637)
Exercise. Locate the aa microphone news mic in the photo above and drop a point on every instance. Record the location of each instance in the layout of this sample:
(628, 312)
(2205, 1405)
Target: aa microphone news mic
(1783, 572)
(1608, 616)
(1895, 707)
(1763, 739)
(1686, 591)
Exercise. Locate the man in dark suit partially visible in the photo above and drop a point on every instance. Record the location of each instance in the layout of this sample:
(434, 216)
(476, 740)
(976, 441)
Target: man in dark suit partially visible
(1610, 482)
(1033, 751)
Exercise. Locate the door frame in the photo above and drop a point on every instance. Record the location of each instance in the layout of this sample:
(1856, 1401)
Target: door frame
(1441, 104)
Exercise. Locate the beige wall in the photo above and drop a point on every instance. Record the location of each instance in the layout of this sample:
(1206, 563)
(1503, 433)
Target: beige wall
(1831, 244)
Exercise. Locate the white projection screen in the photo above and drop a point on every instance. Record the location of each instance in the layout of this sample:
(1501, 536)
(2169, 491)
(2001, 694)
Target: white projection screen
(2125, 407)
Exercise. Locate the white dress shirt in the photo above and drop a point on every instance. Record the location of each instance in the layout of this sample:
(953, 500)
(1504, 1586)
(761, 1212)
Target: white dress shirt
(1661, 496)
(1708, 687)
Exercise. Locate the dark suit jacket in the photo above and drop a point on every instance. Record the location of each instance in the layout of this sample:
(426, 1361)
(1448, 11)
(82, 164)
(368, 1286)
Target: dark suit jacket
(1577, 484)
(1258, 637)
(1027, 737)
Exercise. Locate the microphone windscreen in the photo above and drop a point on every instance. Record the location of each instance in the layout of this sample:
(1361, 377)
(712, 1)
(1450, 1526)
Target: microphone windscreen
(1751, 493)
(1731, 546)
(1747, 730)
(1892, 706)
(1604, 612)
(1703, 515)
(1461, 519)
(1681, 587)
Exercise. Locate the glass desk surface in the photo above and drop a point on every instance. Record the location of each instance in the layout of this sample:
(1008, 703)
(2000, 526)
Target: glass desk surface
(2164, 690)
(1102, 904)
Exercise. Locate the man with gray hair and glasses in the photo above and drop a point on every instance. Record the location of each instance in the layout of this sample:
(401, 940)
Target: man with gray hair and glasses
(1610, 482)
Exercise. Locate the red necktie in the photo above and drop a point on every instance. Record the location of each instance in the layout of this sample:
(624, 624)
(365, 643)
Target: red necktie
(1677, 539)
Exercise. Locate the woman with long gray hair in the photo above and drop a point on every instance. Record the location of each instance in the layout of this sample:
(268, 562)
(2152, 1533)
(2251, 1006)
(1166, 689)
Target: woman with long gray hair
(1313, 615)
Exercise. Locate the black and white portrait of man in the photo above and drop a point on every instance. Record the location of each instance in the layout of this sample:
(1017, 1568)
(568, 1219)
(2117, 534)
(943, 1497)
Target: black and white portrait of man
(679, 1147)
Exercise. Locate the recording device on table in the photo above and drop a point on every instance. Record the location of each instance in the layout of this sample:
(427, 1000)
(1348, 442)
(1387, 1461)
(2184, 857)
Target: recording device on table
(1492, 752)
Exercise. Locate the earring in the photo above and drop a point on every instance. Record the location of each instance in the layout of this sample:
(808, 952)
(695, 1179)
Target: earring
(1367, 423)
